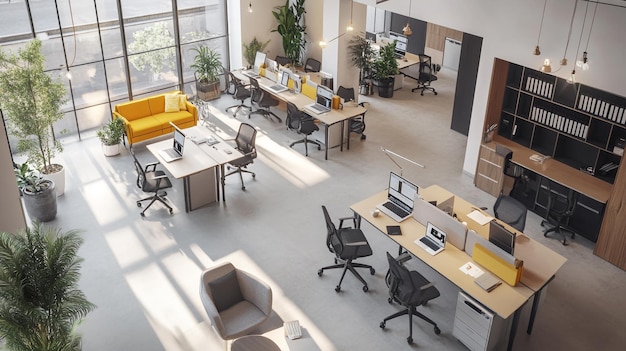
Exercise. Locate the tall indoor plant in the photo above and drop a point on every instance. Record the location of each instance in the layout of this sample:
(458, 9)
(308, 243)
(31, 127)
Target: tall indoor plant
(40, 300)
(361, 55)
(385, 68)
(208, 68)
(31, 101)
(291, 28)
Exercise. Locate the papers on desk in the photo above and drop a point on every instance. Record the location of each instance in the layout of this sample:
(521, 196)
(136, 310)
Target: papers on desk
(471, 269)
(479, 217)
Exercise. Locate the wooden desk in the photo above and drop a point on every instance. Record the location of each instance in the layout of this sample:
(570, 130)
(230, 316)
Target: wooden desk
(201, 166)
(409, 60)
(540, 263)
(330, 118)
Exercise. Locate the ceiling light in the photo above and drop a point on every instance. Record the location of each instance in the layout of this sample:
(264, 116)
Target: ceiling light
(569, 35)
(546, 66)
(250, 7)
(537, 52)
(407, 28)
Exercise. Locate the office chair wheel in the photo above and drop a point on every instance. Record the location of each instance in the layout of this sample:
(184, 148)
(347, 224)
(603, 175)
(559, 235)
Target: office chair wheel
(390, 300)
(422, 95)
(171, 211)
(142, 214)
(435, 92)
(437, 330)
(372, 271)
(365, 288)
(382, 325)
(138, 204)
(363, 137)
(409, 340)
(243, 187)
(319, 273)
(319, 148)
(337, 288)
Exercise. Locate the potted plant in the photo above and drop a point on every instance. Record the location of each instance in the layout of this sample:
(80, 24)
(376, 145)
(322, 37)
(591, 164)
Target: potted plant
(250, 50)
(110, 135)
(385, 67)
(292, 29)
(38, 193)
(208, 68)
(31, 102)
(362, 55)
(40, 301)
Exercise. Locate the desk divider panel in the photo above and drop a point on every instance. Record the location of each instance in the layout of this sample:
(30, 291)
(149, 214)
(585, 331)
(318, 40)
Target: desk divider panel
(455, 230)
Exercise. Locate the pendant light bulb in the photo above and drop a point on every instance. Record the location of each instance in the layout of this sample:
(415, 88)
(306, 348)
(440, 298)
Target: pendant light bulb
(250, 7)
(407, 30)
(572, 77)
(546, 66)
(537, 52)
(584, 62)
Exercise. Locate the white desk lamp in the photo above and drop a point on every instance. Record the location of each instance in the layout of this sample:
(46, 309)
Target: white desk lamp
(389, 152)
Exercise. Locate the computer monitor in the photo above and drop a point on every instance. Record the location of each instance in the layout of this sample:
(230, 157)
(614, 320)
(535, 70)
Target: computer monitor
(501, 237)
(297, 83)
(259, 60)
(283, 78)
(401, 42)
(324, 96)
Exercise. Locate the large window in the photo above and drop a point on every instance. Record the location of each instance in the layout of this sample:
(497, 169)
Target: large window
(105, 56)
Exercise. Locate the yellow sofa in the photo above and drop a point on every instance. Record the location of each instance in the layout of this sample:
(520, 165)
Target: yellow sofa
(146, 118)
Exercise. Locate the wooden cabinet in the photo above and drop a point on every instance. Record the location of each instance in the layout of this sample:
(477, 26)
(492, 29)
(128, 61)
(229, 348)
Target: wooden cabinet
(489, 171)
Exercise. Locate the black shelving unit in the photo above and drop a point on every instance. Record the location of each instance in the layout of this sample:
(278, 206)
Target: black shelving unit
(575, 124)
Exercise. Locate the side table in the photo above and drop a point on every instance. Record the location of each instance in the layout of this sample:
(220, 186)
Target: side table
(254, 343)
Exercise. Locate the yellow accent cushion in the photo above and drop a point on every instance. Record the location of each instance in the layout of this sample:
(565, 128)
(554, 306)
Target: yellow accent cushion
(182, 102)
(171, 103)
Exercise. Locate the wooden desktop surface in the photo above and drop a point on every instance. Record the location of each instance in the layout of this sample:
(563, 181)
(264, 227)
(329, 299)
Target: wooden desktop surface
(504, 300)
(196, 158)
(409, 60)
(577, 180)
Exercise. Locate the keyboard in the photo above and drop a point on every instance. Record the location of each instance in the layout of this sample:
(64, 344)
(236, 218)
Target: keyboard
(429, 243)
(171, 153)
(292, 329)
(395, 209)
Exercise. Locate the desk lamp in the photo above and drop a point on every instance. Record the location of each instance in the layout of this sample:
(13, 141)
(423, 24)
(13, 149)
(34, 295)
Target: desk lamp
(389, 152)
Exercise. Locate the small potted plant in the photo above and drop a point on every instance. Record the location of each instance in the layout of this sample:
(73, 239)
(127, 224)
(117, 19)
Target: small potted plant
(385, 68)
(250, 50)
(208, 68)
(39, 194)
(111, 134)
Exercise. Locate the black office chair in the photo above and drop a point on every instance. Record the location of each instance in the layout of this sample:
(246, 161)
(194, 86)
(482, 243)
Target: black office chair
(246, 144)
(427, 75)
(347, 244)
(240, 92)
(510, 169)
(312, 65)
(303, 124)
(357, 124)
(410, 289)
(510, 211)
(559, 210)
(282, 60)
(151, 180)
(263, 100)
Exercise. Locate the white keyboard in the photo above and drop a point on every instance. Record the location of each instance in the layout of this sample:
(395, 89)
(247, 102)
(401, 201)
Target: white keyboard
(292, 329)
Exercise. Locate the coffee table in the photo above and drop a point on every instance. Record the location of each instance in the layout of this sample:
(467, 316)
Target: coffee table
(254, 343)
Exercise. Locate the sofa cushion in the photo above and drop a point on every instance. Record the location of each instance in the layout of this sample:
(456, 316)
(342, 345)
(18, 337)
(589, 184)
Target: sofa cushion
(180, 118)
(133, 110)
(171, 103)
(145, 125)
(182, 102)
(157, 104)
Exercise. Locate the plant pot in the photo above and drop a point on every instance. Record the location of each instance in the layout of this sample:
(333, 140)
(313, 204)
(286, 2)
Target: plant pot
(58, 178)
(41, 206)
(111, 150)
(385, 87)
(208, 91)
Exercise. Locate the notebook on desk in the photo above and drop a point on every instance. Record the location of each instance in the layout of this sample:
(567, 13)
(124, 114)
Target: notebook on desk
(176, 151)
(323, 100)
(400, 198)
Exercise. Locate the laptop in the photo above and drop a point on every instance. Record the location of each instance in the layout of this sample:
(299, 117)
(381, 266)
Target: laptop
(323, 100)
(176, 151)
(434, 241)
(400, 198)
(281, 83)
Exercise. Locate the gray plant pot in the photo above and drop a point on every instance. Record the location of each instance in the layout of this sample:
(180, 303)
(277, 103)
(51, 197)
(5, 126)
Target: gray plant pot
(41, 206)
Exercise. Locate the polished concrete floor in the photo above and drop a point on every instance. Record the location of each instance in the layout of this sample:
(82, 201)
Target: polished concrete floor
(143, 273)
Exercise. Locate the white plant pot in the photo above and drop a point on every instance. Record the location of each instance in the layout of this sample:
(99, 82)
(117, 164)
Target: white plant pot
(59, 180)
(111, 150)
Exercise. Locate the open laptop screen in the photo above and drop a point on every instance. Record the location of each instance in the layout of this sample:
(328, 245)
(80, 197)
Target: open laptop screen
(284, 78)
(259, 60)
(402, 190)
(324, 96)
(179, 140)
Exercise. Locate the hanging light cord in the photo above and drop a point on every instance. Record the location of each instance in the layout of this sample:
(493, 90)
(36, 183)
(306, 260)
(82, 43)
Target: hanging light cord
(593, 19)
(69, 2)
(581, 32)
(571, 24)
(542, 16)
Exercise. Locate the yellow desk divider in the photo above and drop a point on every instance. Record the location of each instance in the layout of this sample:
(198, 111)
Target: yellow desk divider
(262, 71)
(309, 89)
(510, 273)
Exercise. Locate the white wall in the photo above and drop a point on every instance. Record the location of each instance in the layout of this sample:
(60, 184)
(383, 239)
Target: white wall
(509, 29)
(12, 215)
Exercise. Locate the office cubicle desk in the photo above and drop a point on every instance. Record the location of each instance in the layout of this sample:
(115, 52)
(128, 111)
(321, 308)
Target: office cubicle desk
(540, 263)
(201, 167)
(334, 117)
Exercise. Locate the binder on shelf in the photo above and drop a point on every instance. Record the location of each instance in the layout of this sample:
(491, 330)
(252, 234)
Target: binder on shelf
(528, 84)
(585, 130)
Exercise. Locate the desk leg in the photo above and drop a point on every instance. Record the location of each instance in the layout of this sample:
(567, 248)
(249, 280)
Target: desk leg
(220, 179)
(533, 311)
(514, 327)
(186, 191)
(342, 131)
(326, 141)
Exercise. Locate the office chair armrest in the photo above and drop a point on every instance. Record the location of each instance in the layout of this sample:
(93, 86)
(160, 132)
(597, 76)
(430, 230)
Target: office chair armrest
(427, 286)
(356, 243)
(345, 219)
(149, 165)
(158, 178)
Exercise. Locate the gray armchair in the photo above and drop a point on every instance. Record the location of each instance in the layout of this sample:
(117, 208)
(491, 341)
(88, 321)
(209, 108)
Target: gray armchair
(235, 301)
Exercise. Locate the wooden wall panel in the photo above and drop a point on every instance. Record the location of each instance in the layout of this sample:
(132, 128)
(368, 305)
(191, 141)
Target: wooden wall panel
(436, 36)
